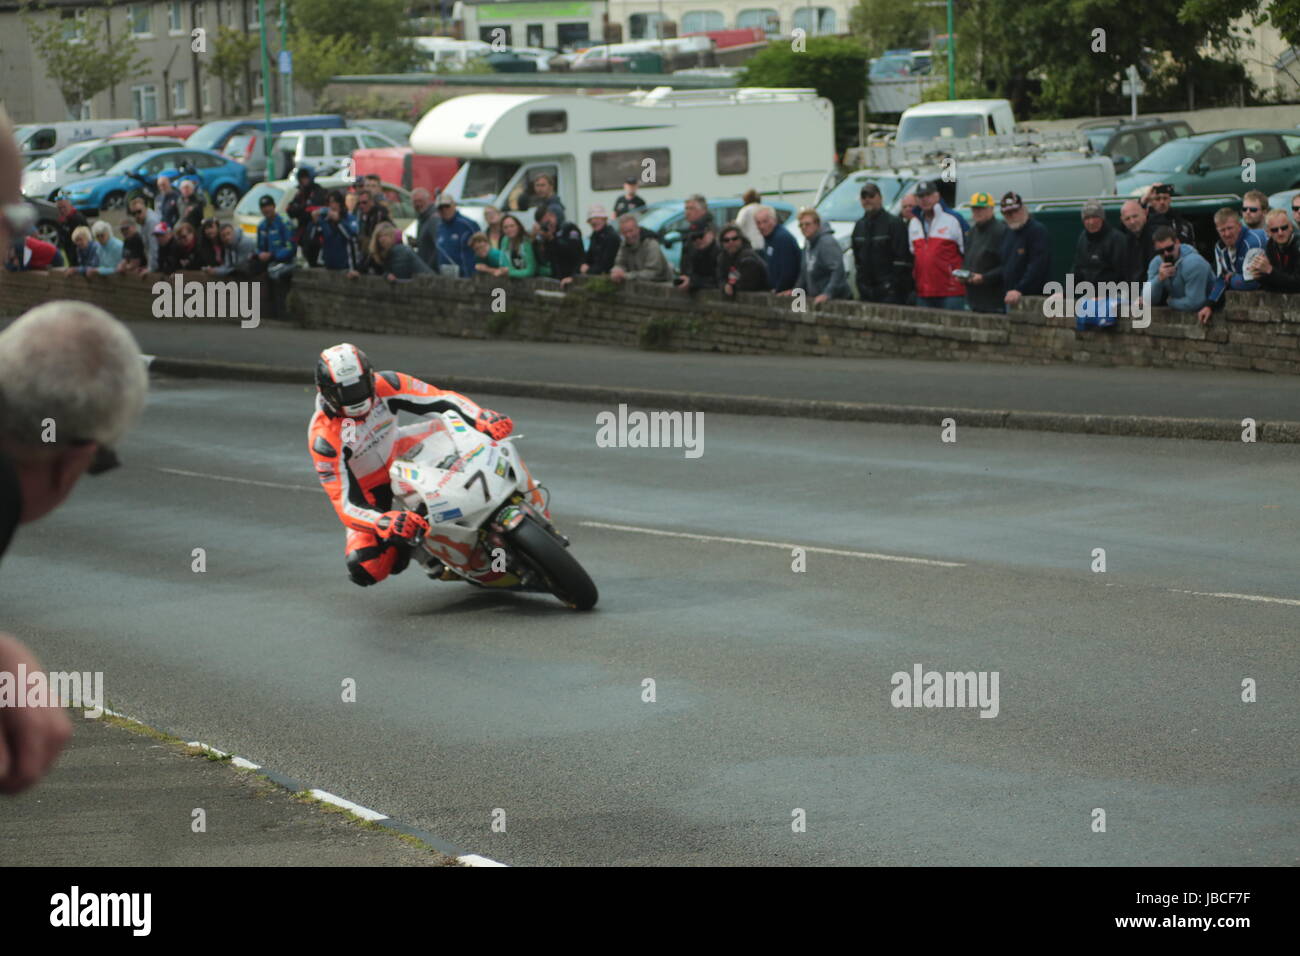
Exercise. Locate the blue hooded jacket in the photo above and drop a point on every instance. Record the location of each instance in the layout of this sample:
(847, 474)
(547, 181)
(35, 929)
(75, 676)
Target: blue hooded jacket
(275, 236)
(453, 243)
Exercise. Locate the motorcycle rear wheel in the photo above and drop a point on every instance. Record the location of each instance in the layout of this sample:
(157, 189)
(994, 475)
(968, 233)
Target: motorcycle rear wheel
(564, 576)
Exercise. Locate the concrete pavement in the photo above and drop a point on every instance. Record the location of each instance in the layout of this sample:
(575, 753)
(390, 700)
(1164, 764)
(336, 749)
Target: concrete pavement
(1162, 403)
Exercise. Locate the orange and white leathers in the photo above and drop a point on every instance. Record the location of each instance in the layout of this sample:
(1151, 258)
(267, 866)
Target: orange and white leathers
(352, 459)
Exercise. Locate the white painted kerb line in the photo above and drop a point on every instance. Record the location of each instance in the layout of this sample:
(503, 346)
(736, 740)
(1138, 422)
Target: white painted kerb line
(772, 544)
(1241, 597)
(237, 481)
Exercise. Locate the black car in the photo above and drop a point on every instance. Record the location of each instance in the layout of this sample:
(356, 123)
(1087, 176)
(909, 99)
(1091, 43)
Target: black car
(1125, 141)
(47, 220)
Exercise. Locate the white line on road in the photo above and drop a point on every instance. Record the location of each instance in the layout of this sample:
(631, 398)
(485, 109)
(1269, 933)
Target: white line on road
(365, 813)
(771, 544)
(238, 481)
(1240, 597)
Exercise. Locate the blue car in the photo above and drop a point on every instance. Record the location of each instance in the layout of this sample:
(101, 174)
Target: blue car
(667, 220)
(223, 179)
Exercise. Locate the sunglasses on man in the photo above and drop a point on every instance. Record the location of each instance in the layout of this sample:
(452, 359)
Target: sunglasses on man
(1282, 228)
(1250, 208)
(105, 458)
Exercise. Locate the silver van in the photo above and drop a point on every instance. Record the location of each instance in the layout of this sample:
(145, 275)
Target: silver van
(44, 177)
(325, 150)
(38, 140)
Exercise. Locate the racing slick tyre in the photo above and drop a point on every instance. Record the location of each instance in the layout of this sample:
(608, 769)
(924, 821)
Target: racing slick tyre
(563, 574)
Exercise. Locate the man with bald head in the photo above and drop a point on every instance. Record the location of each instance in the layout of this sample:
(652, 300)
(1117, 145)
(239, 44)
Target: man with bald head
(1139, 246)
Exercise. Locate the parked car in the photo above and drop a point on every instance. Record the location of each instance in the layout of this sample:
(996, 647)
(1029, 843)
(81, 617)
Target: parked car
(47, 220)
(182, 132)
(248, 213)
(38, 140)
(218, 134)
(667, 220)
(223, 179)
(1283, 199)
(399, 131)
(94, 157)
(1126, 142)
(325, 150)
(1211, 163)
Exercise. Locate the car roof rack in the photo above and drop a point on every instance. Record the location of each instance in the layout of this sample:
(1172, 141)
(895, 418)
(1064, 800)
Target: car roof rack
(931, 152)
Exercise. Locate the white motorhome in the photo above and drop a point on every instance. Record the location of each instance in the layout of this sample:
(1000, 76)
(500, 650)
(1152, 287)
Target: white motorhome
(448, 53)
(715, 142)
(956, 119)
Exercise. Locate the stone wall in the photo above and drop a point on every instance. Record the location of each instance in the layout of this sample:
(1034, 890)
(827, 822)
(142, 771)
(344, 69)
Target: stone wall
(1255, 331)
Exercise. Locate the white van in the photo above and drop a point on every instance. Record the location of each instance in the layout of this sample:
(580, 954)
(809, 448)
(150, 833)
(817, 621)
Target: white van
(448, 53)
(44, 177)
(38, 140)
(327, 151)
(714, 142)
(956, 119)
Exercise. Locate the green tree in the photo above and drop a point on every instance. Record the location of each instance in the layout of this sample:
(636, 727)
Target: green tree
(83, 61)
(231, 51)
(894, 24)
(379, 28)
(317, 58)
(835, 67)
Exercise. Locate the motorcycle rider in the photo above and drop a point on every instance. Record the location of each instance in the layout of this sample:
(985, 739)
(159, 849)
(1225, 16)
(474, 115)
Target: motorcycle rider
(353, 442)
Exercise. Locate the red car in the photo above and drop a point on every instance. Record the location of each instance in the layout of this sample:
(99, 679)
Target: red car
(182, 132)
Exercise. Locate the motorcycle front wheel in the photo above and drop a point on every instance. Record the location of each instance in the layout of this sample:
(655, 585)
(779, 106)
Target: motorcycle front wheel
(564, 576)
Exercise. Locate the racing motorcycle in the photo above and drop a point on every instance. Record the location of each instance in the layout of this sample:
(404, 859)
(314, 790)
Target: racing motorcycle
(485, 526)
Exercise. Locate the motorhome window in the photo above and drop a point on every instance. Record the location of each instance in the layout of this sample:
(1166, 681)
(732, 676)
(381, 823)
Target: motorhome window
(569, 36)
(932, 127)
(548, 121)
(522, 196)
(733, 157)
(610, 168)
(484, 179)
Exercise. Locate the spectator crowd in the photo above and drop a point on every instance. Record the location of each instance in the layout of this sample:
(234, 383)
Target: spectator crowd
(928, 256)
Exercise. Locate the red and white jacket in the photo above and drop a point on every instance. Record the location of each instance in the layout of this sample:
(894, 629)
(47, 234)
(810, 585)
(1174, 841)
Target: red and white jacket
(937, 248)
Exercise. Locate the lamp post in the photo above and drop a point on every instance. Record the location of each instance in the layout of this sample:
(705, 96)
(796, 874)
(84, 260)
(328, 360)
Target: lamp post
(952, 57)
(266, 92)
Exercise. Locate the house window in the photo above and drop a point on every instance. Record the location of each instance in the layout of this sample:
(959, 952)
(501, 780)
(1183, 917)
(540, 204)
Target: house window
(180, 96)
(175, 17)
(644, 26)
(255, 22)
(701, 21)
(144, 102)
(610, 168)
(74, 25)
(765, 18)
(815, 21)
(198, 14)
(206, 96)
(259, 88)
(733, 157)
(570, 36)
(141, 20)
(227, 15)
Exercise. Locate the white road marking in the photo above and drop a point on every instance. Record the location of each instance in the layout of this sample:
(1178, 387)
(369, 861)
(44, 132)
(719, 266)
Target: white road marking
(473, 859)
(365, 813)
(771, 544)
(1241, 597)
(238, 481)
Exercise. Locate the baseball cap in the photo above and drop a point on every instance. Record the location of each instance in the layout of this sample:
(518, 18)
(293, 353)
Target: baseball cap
(161, 229)
(266, 201)
(1012, 202)
(925, 187)
(445, 200)
(1164, 189)
(630, 181)
(982, 201)
(597, 211)
(1091, 209)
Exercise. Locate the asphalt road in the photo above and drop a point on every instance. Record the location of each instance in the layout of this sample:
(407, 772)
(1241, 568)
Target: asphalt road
(1118, 690)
